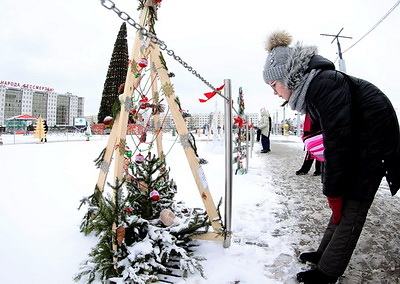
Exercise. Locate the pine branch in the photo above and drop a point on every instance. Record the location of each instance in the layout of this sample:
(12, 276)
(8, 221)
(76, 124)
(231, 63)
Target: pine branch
(100, 158)
(223, 231)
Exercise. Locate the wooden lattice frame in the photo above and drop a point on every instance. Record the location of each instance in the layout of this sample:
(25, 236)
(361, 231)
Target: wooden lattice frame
(117, 136)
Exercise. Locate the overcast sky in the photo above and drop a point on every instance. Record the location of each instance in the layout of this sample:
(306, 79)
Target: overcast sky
(67, 45)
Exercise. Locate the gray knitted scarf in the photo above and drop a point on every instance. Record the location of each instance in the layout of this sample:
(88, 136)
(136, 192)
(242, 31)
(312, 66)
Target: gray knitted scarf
(297, 100)
(297, 80)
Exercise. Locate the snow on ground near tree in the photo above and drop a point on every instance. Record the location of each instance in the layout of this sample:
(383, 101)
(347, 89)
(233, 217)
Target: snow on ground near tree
(275, 215)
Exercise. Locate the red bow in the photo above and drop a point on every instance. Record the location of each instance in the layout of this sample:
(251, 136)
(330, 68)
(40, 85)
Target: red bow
(211, 94)
(128, 209)
(144, 99)
(239, 121)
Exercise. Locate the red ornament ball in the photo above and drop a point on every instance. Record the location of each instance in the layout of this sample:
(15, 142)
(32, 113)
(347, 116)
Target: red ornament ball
(107, 120)
(154, 195)
(139, 158)
(143, 62)
(128, 209)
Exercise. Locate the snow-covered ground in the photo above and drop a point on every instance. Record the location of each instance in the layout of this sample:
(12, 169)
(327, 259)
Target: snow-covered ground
(275, 215)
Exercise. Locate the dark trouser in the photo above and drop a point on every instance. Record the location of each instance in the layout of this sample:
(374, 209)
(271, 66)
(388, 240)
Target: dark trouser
(308, 161)
(265, 143)
(258, 135)
(339, 241)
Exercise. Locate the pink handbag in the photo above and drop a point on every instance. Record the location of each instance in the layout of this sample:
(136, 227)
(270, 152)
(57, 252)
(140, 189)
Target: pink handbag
(315, 145)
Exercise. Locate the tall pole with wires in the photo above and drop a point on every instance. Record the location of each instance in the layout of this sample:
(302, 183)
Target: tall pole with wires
(342, 65)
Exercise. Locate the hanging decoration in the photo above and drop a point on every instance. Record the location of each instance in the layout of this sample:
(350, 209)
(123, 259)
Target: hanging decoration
(120, 234)
(154, 195)
(211, 94)
(107, 121)
(143, 62)
(168, 89)
(241, 137)
(139, 158)
(167, 217)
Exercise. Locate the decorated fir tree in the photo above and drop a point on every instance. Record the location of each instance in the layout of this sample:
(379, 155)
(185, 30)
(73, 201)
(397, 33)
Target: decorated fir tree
(142, 231)
(116, 75)
(146, 226)
(240, 137)
(40, 131)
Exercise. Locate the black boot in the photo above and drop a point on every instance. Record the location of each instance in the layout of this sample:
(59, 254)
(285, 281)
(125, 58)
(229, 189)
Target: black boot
(316, 173)
(301, 172)
(312, 257)
(315, 276)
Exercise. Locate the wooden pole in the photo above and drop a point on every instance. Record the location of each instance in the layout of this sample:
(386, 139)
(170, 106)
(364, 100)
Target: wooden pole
(183, 133)
(156, 117)
(105, 165)
(131, 83)
(118, 131)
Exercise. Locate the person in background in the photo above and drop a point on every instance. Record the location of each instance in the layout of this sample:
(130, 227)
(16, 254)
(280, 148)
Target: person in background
(46, 128)
(265, 126)
(308, 159)
(258, 134)
(307, 164)
(361, 139)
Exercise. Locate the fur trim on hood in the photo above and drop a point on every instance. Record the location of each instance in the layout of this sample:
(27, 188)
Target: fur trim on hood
(298, 64)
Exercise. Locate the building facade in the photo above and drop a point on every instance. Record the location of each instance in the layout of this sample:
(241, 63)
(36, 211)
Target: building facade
(204, 120)
(57, 109)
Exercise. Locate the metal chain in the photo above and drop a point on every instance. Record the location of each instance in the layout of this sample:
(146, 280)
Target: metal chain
(110, 5)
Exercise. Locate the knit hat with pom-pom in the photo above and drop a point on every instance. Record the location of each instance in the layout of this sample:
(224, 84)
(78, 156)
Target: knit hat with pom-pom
(276, 65)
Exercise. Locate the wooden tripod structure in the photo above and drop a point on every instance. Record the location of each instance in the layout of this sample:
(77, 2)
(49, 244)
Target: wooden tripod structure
(117, 139)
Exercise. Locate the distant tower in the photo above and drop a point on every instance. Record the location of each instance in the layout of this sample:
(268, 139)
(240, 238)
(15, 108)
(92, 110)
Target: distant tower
(342, 65)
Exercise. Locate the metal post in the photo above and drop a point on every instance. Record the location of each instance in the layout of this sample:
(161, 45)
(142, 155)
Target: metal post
(298, 125)
(342, 65)
(247, 144)
(14, 131)
(252, 132)
(228, 162)
(283, 121)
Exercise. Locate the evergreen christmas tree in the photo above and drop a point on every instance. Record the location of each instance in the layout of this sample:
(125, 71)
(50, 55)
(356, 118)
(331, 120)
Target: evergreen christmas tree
(116, 76)
(143, 222)
(240, 140)
(40, 131)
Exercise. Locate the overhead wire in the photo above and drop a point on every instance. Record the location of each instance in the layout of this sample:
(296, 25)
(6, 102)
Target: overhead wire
(380, 21)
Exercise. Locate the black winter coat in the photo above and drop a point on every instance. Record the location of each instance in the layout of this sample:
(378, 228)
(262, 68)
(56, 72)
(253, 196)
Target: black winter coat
(360, 129)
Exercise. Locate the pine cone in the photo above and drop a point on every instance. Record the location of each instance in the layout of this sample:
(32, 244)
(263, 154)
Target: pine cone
(121, 89)
(157, 108)
(120, 234)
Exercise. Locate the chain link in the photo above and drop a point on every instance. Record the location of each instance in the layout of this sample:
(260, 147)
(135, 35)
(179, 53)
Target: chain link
(125, 17)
